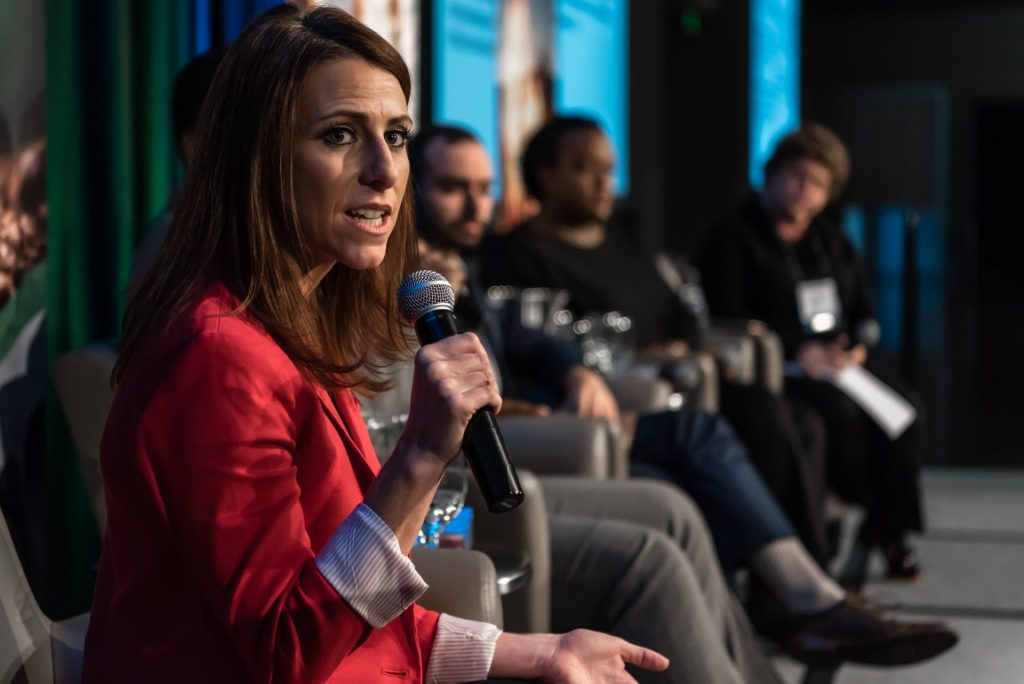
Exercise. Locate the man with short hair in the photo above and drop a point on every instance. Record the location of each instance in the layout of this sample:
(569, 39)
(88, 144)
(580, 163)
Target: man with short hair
(452, 174)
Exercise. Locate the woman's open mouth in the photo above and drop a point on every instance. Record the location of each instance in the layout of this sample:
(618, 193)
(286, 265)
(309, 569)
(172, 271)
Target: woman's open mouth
(371, 220)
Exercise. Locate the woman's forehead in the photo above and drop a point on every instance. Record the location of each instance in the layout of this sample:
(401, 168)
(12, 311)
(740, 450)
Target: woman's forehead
(352, 85)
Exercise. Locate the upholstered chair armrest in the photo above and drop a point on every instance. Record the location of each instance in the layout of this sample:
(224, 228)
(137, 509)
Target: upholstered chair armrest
(525, 530)
(462, 583)
(639, 394)
(561, 444)
(767, 352)
(67, 643)
(81, 378)
(735, 350)
(771, 361)
(705, 396)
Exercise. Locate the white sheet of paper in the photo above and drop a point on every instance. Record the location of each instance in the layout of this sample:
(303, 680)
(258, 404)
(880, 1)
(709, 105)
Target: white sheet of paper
(889, 410)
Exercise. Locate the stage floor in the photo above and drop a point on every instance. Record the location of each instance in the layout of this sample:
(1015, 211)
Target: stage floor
(973, 554)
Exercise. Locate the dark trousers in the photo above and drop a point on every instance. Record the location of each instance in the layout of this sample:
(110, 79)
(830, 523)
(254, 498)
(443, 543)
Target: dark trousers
(786, 443)
(701, 453)
(864, 465)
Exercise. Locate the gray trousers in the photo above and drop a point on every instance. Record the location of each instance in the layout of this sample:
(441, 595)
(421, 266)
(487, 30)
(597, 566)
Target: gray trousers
(634, 558)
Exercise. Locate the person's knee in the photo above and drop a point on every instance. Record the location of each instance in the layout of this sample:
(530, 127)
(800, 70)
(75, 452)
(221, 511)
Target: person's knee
(673, 507)
(662, 563)
(683, 521)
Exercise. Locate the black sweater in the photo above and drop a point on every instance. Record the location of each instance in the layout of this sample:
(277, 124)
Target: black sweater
(747, 274)
(618, 275)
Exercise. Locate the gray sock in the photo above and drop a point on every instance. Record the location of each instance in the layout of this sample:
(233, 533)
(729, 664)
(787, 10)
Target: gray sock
(795, 578)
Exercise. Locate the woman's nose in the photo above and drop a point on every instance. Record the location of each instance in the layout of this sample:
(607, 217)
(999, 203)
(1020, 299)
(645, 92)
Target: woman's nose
(379, 170)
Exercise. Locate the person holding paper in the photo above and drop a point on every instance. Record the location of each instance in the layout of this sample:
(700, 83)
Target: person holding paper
(781, 260)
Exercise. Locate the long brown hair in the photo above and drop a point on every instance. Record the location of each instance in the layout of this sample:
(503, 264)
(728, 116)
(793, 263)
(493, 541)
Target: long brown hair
(236, 222)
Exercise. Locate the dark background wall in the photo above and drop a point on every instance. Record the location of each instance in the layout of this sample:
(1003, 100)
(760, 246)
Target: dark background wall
(970, 56)
(688, 114)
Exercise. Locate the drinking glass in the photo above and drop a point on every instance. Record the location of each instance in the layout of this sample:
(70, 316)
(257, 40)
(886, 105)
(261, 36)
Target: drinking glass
(446, 504)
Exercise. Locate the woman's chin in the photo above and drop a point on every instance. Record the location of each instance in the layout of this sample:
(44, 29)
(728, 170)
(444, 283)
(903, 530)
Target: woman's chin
(364, 260)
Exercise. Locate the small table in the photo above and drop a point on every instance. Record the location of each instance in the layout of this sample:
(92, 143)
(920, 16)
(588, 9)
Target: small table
(513, 568)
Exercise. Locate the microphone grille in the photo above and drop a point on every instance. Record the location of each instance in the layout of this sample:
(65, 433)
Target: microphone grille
(424, 291)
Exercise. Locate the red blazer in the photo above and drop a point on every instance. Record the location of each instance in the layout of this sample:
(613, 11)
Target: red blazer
(225, 473)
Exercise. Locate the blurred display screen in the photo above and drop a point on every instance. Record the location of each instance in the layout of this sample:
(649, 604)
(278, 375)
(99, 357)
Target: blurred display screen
(398, 22)
(591, 70)
(774, 78)
(501, 69)
(465, 68)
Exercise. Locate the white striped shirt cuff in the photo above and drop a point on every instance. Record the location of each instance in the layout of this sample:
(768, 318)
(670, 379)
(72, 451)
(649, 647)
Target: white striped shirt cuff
(463, 651)
(363, 562)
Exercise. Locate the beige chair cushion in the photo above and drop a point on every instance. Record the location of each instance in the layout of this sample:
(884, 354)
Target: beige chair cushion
(67, 639)
(24, 630)
(560, 444)
(33, 650)
(462, 583)
(523, 529)
(82, 380)
(641, 395)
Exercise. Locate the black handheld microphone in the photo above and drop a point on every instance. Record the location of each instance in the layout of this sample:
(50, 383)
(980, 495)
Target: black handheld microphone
(427, 301)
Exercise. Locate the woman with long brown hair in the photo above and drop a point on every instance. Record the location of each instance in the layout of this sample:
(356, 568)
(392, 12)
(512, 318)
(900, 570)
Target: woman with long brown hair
(252, 534)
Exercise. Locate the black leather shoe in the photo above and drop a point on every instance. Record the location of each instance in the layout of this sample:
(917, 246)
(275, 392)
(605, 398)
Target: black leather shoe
(853, 631)
(902, 561)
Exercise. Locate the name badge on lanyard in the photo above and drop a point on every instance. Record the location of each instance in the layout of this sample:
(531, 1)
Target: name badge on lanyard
(818, 303)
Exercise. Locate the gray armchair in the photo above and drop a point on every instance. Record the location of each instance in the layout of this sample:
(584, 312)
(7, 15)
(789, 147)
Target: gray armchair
(523, 529)
(462, 583)
(81, 378)
(750, 352)
(564, 444)
(33, 649)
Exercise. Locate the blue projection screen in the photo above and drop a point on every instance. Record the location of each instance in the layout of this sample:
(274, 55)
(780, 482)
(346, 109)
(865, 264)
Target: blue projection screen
(774, 78)
(465, 72)
(589, 71)
(591, 63)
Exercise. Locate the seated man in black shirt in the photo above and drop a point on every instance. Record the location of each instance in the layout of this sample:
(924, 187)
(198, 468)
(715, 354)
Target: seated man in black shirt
(452, 174)
(567, 166)
(771, 260)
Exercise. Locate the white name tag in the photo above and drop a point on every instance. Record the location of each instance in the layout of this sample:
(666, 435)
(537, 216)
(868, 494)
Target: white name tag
(818, 303)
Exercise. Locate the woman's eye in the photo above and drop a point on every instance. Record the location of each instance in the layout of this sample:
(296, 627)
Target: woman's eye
(396, 138)
(338, 136)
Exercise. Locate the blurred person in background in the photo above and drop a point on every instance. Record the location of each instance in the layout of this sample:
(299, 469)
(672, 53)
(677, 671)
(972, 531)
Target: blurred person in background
(781, 259)
(571, 245)
(452, 174)
(23, 215)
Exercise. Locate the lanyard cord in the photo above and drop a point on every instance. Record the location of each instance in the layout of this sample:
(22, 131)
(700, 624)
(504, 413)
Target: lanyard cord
(793, 262)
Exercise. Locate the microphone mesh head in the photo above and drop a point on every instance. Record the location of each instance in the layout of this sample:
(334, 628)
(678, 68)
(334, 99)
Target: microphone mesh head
(424, 291)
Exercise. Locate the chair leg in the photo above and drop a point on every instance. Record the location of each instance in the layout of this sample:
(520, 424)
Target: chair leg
(820, 675)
